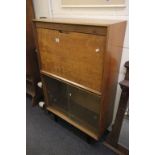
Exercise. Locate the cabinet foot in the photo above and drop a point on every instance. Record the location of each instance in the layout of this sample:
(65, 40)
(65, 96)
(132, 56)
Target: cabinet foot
(90, 140)
(55, 118)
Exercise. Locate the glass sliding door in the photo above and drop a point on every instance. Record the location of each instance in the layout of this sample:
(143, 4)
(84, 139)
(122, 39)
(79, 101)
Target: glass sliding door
(57, 94)
(84, 108)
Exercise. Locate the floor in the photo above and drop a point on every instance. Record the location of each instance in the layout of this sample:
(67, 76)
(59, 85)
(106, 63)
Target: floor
(124, 135)
(47, 137)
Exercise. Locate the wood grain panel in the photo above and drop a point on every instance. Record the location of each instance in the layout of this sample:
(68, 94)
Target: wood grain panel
(74, 57)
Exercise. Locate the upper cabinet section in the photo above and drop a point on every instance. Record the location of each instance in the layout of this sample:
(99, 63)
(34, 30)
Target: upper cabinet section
(82, 53)
(77, 57)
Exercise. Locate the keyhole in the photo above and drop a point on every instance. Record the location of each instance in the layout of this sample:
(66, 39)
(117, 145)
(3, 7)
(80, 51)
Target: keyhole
(97, 50)
(57, 40)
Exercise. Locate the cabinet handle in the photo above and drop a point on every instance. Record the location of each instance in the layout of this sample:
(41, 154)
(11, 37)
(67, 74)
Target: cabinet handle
(57, 40)
(97, 50)
(70, 94)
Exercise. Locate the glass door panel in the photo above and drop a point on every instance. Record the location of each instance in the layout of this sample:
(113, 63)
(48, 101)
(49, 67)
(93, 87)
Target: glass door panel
(84, 108)
(56, 94)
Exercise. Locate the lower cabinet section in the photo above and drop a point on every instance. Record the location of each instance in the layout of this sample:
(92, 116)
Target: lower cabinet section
(77, 105)
(84, 108)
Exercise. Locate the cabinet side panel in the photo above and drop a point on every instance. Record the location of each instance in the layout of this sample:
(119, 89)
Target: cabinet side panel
(114, 47)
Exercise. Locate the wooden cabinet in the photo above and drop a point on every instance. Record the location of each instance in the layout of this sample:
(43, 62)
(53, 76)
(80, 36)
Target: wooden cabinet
(79, 63)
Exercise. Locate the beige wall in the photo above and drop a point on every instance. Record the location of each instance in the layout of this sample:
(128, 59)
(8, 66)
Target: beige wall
(52, 8)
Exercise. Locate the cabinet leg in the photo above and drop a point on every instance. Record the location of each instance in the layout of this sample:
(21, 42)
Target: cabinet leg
(48, 112)
(35, 100)
(55, 118)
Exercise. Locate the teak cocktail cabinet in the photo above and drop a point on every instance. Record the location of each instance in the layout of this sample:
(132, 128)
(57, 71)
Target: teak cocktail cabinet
(79, 65)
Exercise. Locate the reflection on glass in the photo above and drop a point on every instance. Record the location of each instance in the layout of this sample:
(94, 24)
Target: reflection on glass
(79, 105)
(84, 108)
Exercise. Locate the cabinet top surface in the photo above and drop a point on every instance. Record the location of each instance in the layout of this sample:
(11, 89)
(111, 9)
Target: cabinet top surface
(79, 21)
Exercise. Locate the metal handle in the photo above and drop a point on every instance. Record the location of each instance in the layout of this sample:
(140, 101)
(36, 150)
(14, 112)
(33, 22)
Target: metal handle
(57, 40)
(97, 50)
